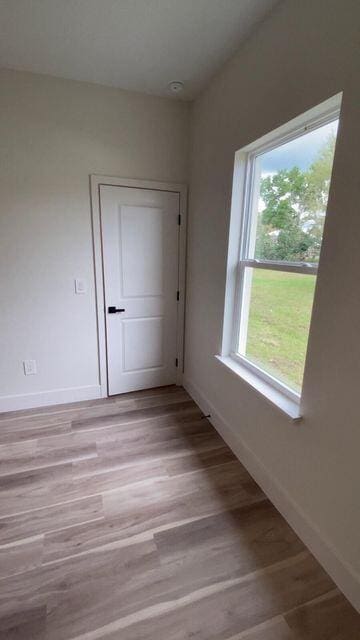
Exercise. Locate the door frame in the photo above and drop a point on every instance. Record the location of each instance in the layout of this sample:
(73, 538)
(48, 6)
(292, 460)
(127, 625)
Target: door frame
(95, 182)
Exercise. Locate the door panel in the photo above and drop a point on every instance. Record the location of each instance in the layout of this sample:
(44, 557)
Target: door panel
(142, 251)
(149, 333)
(140, 237)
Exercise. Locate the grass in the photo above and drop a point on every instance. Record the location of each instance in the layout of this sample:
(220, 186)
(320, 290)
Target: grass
(279, 320)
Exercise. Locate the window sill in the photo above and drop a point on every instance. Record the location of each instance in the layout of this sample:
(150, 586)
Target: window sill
(281, 401)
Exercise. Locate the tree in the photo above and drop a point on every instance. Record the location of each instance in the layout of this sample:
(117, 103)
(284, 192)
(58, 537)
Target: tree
(317, 191)
(291, 222)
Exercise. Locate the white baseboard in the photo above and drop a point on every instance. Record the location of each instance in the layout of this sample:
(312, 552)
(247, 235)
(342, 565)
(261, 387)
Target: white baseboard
(341, 572)
(46, 398)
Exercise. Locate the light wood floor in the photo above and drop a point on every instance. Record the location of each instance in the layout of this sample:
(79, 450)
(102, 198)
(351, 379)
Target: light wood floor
(130, 519)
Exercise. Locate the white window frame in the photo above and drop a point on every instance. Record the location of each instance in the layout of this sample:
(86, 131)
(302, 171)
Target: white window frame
(242, 235)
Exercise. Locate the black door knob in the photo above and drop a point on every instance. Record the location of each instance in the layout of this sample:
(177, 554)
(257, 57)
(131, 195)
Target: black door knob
(115, 310)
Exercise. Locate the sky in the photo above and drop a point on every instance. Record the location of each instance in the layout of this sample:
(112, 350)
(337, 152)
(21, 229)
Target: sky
(300, 152)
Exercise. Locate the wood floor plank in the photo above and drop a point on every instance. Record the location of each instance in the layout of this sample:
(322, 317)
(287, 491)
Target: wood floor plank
(135, 415)
(161, 446)
(127, 585)
(44, 520)
(57, 484)
(114, 433)
(33, 433)
(24, 625)
(73, 411)
(29, 424)
(195, 460)
(328, 618)
(165, 500)
(14, 459)
(156, 501)
(131, 519)
(33, 422)
(216, 611)
(232, 542)
(99, 412)
(28, 490)
(20, 556)
(273, 629)
(78, 593)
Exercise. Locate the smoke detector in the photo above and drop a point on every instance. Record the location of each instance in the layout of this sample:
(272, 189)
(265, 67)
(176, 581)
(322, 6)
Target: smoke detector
(176, 86)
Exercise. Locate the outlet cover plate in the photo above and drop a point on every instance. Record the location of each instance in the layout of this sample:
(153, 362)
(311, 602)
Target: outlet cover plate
(30, 367)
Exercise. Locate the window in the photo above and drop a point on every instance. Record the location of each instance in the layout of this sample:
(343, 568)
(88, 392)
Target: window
(285, 181)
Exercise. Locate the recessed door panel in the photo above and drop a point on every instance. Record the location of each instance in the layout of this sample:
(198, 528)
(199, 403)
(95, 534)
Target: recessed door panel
(149, 333)
(140, 237)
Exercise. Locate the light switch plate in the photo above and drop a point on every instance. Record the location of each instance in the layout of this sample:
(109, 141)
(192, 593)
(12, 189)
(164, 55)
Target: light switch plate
(80, 286)
(30, 367)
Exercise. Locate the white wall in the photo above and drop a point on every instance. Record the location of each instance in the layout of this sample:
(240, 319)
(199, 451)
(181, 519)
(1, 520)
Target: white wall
(53, 134)
(304, 53)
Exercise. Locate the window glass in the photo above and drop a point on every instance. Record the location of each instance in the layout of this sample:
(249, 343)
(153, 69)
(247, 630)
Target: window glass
(290, 194)
(279, 308)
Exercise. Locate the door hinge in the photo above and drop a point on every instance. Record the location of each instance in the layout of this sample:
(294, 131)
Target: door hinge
(179, 219)
(176, 362)
(178, 296)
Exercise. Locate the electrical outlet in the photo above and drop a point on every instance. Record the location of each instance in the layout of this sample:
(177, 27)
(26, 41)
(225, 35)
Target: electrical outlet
(30, 367)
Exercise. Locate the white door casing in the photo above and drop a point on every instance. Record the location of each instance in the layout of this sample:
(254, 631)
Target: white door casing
(140, 256)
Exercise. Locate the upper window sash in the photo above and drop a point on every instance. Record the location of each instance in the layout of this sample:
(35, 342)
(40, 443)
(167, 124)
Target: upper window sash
(277, 139)
(249, 218)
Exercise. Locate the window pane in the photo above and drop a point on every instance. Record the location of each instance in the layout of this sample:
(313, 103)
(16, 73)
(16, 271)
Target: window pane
(290, 194)
(275, 322)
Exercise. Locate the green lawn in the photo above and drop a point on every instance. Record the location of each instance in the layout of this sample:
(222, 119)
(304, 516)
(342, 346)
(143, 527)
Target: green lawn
(279, 320)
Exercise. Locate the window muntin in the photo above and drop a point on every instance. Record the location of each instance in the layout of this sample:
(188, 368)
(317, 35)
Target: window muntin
(287, 186)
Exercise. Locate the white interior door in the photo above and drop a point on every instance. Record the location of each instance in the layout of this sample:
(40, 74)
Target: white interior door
(140, 236)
